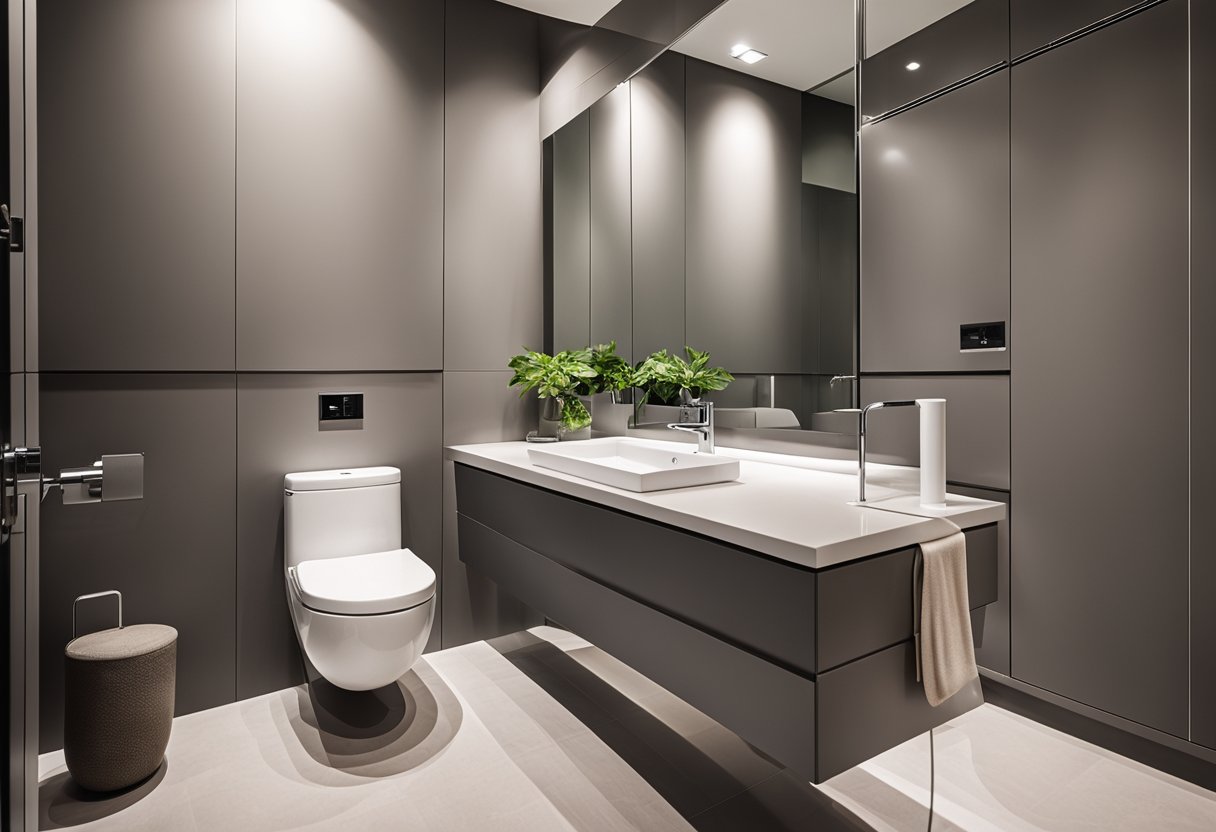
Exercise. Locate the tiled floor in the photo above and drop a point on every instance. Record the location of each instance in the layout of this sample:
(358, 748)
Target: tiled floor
(541, 731)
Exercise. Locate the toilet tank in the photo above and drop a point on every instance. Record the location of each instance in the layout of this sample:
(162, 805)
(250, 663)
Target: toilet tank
(345, 511)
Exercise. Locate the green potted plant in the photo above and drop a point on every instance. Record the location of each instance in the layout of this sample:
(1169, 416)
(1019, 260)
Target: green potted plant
(614, 376)
(557, 380)
(668, 379)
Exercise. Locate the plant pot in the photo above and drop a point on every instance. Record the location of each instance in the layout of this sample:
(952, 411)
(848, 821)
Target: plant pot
(550, 422)
(608, 416)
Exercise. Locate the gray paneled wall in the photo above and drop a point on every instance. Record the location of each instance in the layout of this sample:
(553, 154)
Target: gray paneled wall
(136, 155)
(340, 234)
(611, 228)
(657, 124)
(744, 228)
(1101, 296)
(350, 199)
(571, 265)
(1203, 371)
(977, 424)
(492, 257)
(173, 554)
(935, 240)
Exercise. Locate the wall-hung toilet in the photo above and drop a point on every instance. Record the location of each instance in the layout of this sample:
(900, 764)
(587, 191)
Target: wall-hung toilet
(362, 605)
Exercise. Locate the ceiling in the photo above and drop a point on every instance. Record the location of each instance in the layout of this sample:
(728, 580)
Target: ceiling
(808, 42)
(586, 12)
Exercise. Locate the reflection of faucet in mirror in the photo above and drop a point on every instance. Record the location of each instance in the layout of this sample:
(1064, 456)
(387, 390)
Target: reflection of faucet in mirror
(697, 418)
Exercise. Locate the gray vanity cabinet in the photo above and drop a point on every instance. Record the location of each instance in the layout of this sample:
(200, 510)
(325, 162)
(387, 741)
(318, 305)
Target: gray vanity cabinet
(1099, 393)
(1034, 24)
(813, 666)
(935, 245)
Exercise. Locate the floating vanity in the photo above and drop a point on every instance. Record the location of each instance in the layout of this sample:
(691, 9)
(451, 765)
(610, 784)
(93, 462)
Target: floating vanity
(773, 603)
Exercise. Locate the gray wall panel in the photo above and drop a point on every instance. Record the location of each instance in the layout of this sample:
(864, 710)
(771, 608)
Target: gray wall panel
(977, 424)
(935, 230)
(744, 230)
(492, 199)
(170, 554)
(136, 157)
(572, 234)
(1203, 372)
(611, 232)
(478, 407)
(278, 433)
(658, 206)
(1099, 581)
(827, 143)
(340, 186)
(966, 41)
(990, 625)
(1036, 23)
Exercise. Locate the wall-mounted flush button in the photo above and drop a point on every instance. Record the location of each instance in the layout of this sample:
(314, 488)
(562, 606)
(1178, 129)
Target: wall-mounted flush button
(989, 337)
(341, 407)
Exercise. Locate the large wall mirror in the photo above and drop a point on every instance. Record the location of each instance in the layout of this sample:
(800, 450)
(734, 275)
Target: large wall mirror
(711, 201)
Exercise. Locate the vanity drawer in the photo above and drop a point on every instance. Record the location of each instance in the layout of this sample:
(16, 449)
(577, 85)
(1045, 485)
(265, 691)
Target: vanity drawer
(767, 705)
(817, 727)
(866, 605)
(763, 605)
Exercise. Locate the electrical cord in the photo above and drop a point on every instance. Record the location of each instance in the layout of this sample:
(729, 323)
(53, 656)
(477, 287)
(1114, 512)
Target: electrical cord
(932, 777)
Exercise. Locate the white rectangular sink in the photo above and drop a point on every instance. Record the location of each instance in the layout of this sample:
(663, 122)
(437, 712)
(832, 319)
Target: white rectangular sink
(634, 465)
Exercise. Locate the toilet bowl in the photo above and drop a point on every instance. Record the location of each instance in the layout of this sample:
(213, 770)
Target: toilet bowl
(362, 605)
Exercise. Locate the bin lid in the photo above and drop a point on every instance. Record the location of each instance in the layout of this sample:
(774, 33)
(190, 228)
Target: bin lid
(120, 643)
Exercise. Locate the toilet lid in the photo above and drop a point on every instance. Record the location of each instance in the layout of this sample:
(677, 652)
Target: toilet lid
(370, 584)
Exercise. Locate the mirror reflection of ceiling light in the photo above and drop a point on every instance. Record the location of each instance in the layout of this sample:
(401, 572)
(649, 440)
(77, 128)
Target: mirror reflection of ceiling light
(912, 67)
(746, 54)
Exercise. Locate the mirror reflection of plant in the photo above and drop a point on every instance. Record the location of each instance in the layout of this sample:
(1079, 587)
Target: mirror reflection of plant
(613, 374)
(557, 377)
(663, 377)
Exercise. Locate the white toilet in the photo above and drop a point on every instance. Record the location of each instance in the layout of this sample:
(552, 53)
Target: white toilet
(362, 605)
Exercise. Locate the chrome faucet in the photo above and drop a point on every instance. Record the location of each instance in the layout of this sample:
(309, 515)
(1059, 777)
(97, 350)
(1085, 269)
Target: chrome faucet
(861, 441)
(703, 426)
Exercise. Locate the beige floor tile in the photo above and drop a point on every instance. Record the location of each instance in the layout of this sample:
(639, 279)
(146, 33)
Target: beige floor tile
(541, 732)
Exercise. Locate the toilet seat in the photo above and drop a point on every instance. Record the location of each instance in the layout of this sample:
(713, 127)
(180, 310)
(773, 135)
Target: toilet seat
(371, 584)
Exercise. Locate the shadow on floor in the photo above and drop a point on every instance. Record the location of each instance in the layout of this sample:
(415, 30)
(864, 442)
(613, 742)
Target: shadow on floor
(378, 733)
(63, 804)
(709, 793)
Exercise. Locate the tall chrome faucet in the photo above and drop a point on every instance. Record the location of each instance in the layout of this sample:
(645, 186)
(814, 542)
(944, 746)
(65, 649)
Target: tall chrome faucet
(861, 441)
(700, 421)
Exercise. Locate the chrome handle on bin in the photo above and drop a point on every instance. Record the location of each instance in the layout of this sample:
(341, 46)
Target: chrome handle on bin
(90, 597)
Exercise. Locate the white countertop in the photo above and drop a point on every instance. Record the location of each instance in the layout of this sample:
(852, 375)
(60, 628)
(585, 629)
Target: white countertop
(795, 508)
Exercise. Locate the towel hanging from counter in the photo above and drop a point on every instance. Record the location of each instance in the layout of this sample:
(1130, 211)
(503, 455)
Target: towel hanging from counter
(947, 654)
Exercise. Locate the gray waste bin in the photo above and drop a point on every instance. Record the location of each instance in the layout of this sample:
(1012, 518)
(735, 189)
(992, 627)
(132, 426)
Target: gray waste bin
(119, 688)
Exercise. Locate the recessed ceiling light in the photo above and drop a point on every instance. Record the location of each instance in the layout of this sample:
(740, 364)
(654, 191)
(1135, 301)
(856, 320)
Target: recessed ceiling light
(746, 54)
(912, 67)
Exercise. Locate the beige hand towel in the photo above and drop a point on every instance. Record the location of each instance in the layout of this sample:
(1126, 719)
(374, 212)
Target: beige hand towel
(947, 653)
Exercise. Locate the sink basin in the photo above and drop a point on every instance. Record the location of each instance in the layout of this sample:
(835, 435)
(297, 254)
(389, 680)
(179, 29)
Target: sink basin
(635, 465)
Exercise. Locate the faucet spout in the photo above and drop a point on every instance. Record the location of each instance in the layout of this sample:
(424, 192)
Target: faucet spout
(701, 424)
(861, 440)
